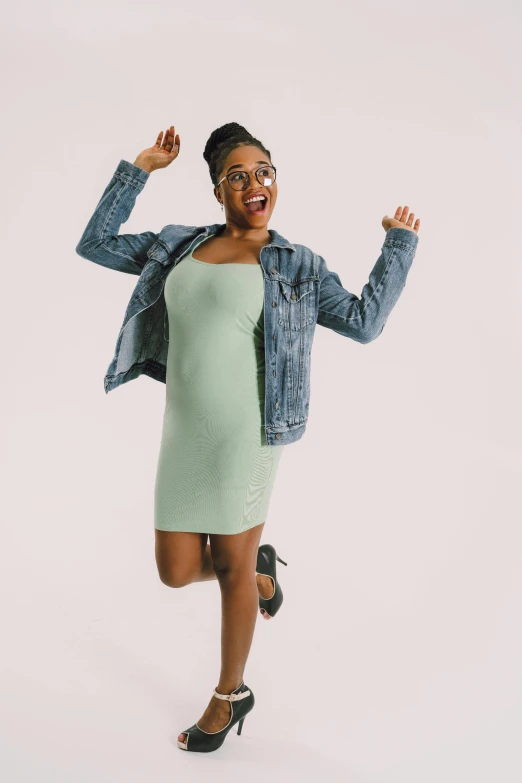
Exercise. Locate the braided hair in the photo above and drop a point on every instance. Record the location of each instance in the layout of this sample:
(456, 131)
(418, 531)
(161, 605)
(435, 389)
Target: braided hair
(222, 141)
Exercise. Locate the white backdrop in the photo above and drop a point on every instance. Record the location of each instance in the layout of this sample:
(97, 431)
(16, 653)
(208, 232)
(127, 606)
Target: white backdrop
(396, 655)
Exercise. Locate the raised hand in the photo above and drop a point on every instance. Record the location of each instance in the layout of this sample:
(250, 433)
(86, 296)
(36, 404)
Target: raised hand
(401, 220)
(160, 154)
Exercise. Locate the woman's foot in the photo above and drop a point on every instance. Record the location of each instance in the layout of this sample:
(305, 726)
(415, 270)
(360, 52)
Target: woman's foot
(266, 589)
(215, 717)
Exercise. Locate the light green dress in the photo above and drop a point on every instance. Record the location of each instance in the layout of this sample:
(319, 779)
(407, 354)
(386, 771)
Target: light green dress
(215, 471)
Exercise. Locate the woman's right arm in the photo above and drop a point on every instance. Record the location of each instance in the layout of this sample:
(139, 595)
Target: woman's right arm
(101, 242)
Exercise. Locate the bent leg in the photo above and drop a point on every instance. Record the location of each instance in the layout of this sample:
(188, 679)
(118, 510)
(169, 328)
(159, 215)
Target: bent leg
(183, 558)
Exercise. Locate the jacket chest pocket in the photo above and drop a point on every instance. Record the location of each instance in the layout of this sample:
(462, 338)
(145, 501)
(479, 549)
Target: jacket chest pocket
(297, 304)
(158, 252)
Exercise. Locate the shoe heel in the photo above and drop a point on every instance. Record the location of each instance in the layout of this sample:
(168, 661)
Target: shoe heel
(281, 561)
(207, 741)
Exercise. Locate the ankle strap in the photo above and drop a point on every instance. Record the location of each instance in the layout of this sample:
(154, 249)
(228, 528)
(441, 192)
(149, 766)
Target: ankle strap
(232, 696)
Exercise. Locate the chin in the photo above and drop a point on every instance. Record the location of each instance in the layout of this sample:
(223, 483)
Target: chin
(259, 220)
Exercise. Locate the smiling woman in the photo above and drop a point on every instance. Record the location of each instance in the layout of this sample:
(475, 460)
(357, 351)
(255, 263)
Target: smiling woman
(215, 470)
(244, 181)
(237, 372)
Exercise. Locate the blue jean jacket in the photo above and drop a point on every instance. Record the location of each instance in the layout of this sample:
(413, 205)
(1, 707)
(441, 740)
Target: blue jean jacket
(300, 292)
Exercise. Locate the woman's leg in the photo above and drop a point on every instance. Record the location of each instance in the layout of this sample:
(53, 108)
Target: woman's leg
(183, 558)
(234, 558)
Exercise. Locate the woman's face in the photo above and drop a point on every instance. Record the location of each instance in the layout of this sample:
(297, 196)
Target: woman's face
(249, 159)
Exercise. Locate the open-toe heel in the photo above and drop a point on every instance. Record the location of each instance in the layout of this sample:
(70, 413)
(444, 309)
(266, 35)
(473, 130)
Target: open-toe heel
(241, 702)
(266, 565)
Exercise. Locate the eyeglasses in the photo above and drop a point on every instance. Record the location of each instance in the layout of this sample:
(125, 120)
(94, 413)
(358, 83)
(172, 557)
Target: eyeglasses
(240, 180)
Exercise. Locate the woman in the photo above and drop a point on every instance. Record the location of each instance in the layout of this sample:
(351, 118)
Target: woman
(219, 455)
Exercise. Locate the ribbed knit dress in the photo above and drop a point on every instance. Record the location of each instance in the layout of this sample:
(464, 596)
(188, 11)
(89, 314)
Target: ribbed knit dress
(215, 471)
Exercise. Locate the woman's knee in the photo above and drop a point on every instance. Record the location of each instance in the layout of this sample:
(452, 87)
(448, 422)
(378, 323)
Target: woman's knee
(233, 573)
(234, 556)
(178, 556)
(174, 577)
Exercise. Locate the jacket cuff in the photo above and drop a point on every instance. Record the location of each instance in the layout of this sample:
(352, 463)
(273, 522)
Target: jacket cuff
(402, 235)
(133, 175)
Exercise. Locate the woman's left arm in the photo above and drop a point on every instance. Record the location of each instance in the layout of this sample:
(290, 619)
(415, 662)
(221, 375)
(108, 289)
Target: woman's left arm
(363, 318)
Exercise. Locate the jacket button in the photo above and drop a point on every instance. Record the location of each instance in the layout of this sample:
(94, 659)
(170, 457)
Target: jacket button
(278, 435)
(274, 304)
(293, 296)
(273, 271)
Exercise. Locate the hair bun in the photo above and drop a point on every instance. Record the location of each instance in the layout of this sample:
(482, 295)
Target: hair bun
(232, 130)
(222, 141)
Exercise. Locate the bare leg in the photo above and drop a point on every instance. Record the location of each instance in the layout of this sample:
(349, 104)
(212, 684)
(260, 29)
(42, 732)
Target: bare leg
(183, 558)
(234, 558)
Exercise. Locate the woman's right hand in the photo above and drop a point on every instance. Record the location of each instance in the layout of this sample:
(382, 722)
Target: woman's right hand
(161, 154)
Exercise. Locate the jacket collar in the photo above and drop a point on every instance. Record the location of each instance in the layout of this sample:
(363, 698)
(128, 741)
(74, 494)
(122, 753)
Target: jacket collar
(277, 239)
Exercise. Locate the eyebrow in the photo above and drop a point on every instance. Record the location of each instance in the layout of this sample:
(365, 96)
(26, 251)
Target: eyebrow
(239, 165)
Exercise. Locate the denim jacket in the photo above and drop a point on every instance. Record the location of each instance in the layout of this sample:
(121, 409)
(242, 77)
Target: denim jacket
(299, 292)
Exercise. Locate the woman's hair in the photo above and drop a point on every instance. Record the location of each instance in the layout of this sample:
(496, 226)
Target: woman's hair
(222, 141)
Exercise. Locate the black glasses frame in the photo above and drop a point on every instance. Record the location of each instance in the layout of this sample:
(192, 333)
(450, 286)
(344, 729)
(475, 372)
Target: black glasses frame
(245, 186)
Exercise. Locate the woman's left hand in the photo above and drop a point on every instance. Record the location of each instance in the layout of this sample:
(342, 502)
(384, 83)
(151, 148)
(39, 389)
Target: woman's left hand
(401, 220)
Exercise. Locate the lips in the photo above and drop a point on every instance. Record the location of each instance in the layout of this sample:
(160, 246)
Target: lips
(253, 207)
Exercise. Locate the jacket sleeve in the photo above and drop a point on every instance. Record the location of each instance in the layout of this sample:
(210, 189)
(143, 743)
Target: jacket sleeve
(100, 242)
(363, 318)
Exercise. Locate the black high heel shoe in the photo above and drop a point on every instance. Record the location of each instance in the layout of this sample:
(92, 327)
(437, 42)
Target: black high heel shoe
(266, 565)
(206, 741)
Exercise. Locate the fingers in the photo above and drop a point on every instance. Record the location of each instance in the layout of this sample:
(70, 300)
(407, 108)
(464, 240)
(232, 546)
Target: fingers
(171, 141)
(410, 222)
(168, 139)
(402, 215)
(165, 141)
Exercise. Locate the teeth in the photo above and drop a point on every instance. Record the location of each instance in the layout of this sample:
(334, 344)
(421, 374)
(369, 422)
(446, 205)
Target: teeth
(255, 198)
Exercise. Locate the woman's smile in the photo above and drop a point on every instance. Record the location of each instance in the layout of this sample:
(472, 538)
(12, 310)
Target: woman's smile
(256, 204)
